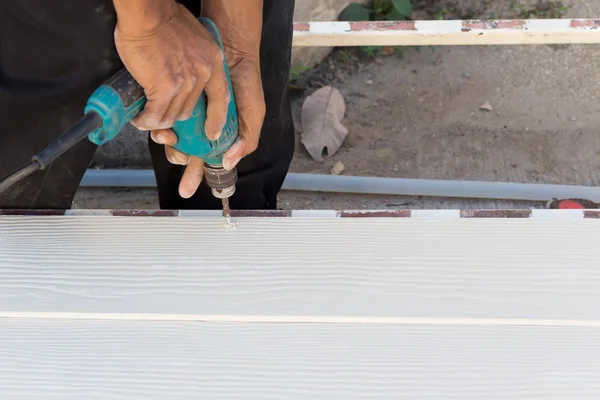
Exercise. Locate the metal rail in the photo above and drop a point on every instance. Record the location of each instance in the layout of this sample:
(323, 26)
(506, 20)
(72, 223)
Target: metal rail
(144, 178)
(447, 33)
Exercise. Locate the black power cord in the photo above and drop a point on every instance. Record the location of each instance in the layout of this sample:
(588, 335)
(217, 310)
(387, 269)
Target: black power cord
(70, 138)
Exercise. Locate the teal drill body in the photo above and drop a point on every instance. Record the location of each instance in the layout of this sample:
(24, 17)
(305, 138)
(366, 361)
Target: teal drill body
(121, 99)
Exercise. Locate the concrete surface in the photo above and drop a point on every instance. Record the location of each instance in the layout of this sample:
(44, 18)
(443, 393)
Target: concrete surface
(419, 117)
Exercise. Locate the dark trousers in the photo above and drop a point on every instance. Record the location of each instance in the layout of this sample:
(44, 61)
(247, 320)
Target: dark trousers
(54, 54)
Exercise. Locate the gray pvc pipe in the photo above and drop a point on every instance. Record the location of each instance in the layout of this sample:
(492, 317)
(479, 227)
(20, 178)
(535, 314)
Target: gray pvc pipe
(372, 185)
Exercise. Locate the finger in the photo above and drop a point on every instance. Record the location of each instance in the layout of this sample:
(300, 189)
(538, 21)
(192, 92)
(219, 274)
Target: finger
(250, 124)
(175, 112)
(157, 104)
(192, 177)
(164, 136)
(192, 99)
(217, 92)
(234, 155)
(176, 157)
(250, 102)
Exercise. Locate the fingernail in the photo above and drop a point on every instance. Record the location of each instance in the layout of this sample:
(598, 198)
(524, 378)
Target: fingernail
(184, 192)
(231, 165)
(139, 127)
(160, 138)
(217, 135)
(185, 117)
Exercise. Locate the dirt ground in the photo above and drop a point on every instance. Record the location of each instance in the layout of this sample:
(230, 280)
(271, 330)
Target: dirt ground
(419, 117)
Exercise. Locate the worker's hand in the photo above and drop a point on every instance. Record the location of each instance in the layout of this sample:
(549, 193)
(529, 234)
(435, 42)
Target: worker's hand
(244, 70)
(174, 60)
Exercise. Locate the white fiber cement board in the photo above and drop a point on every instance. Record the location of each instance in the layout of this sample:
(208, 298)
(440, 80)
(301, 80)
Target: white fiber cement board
(299, 308)
(382, 268)
(148, 360)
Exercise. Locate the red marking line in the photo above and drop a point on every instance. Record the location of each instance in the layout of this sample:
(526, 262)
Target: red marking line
(301, 27)
(495, 24)
(585, 23)
(591, 214)
(260, 213)
(376, 214)
(145, 213)
(382, 26)
(495, 213)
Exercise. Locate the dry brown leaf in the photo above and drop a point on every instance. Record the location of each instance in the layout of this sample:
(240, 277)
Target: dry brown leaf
(322, 129)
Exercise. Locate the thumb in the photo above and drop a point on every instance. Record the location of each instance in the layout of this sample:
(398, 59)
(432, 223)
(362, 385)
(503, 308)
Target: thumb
(250, 117)
(247, 143)
(250, 103)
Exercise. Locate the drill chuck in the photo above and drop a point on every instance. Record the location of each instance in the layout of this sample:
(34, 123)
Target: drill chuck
(221, 181)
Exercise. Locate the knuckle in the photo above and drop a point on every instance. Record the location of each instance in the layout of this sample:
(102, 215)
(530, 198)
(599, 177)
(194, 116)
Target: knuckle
(178, 80)
(189, 83)
(261, 112)
(144, 122)
(176, 157)
(167, 121)
(204, 71)
(169, 156)
(218, 56)
(185, 160)
(186, 113)
(171, 85)
(252, 146)
(170, 81)
(154, 136)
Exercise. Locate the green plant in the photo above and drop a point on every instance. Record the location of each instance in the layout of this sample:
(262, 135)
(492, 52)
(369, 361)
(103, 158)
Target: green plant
(346, 56)
(371, 51)
(355, 12)
(400, 10)
(297, 71)
(440, 12)
(542, 9)
(379, 10)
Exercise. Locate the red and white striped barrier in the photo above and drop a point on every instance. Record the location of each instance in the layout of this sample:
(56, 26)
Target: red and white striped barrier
(440, 33)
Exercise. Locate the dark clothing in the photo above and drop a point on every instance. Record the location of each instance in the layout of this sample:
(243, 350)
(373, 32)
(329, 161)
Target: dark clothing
(55, 53)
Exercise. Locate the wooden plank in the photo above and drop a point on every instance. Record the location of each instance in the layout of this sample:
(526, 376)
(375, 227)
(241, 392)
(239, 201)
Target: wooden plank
(310, 269)
(159, 360)
(445, 33)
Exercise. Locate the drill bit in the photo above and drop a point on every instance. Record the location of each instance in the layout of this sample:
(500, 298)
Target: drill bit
(226, 210)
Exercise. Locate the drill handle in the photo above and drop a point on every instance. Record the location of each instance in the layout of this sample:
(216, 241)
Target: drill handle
(117, 102)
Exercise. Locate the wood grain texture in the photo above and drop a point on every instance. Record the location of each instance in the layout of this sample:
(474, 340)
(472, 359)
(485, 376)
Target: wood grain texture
(54, 359)
(302, 267)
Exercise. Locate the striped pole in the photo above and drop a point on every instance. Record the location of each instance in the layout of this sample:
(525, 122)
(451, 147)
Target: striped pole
(440, 33)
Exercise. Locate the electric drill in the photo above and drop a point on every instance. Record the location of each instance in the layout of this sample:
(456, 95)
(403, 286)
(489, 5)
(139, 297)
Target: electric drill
(119, 100)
